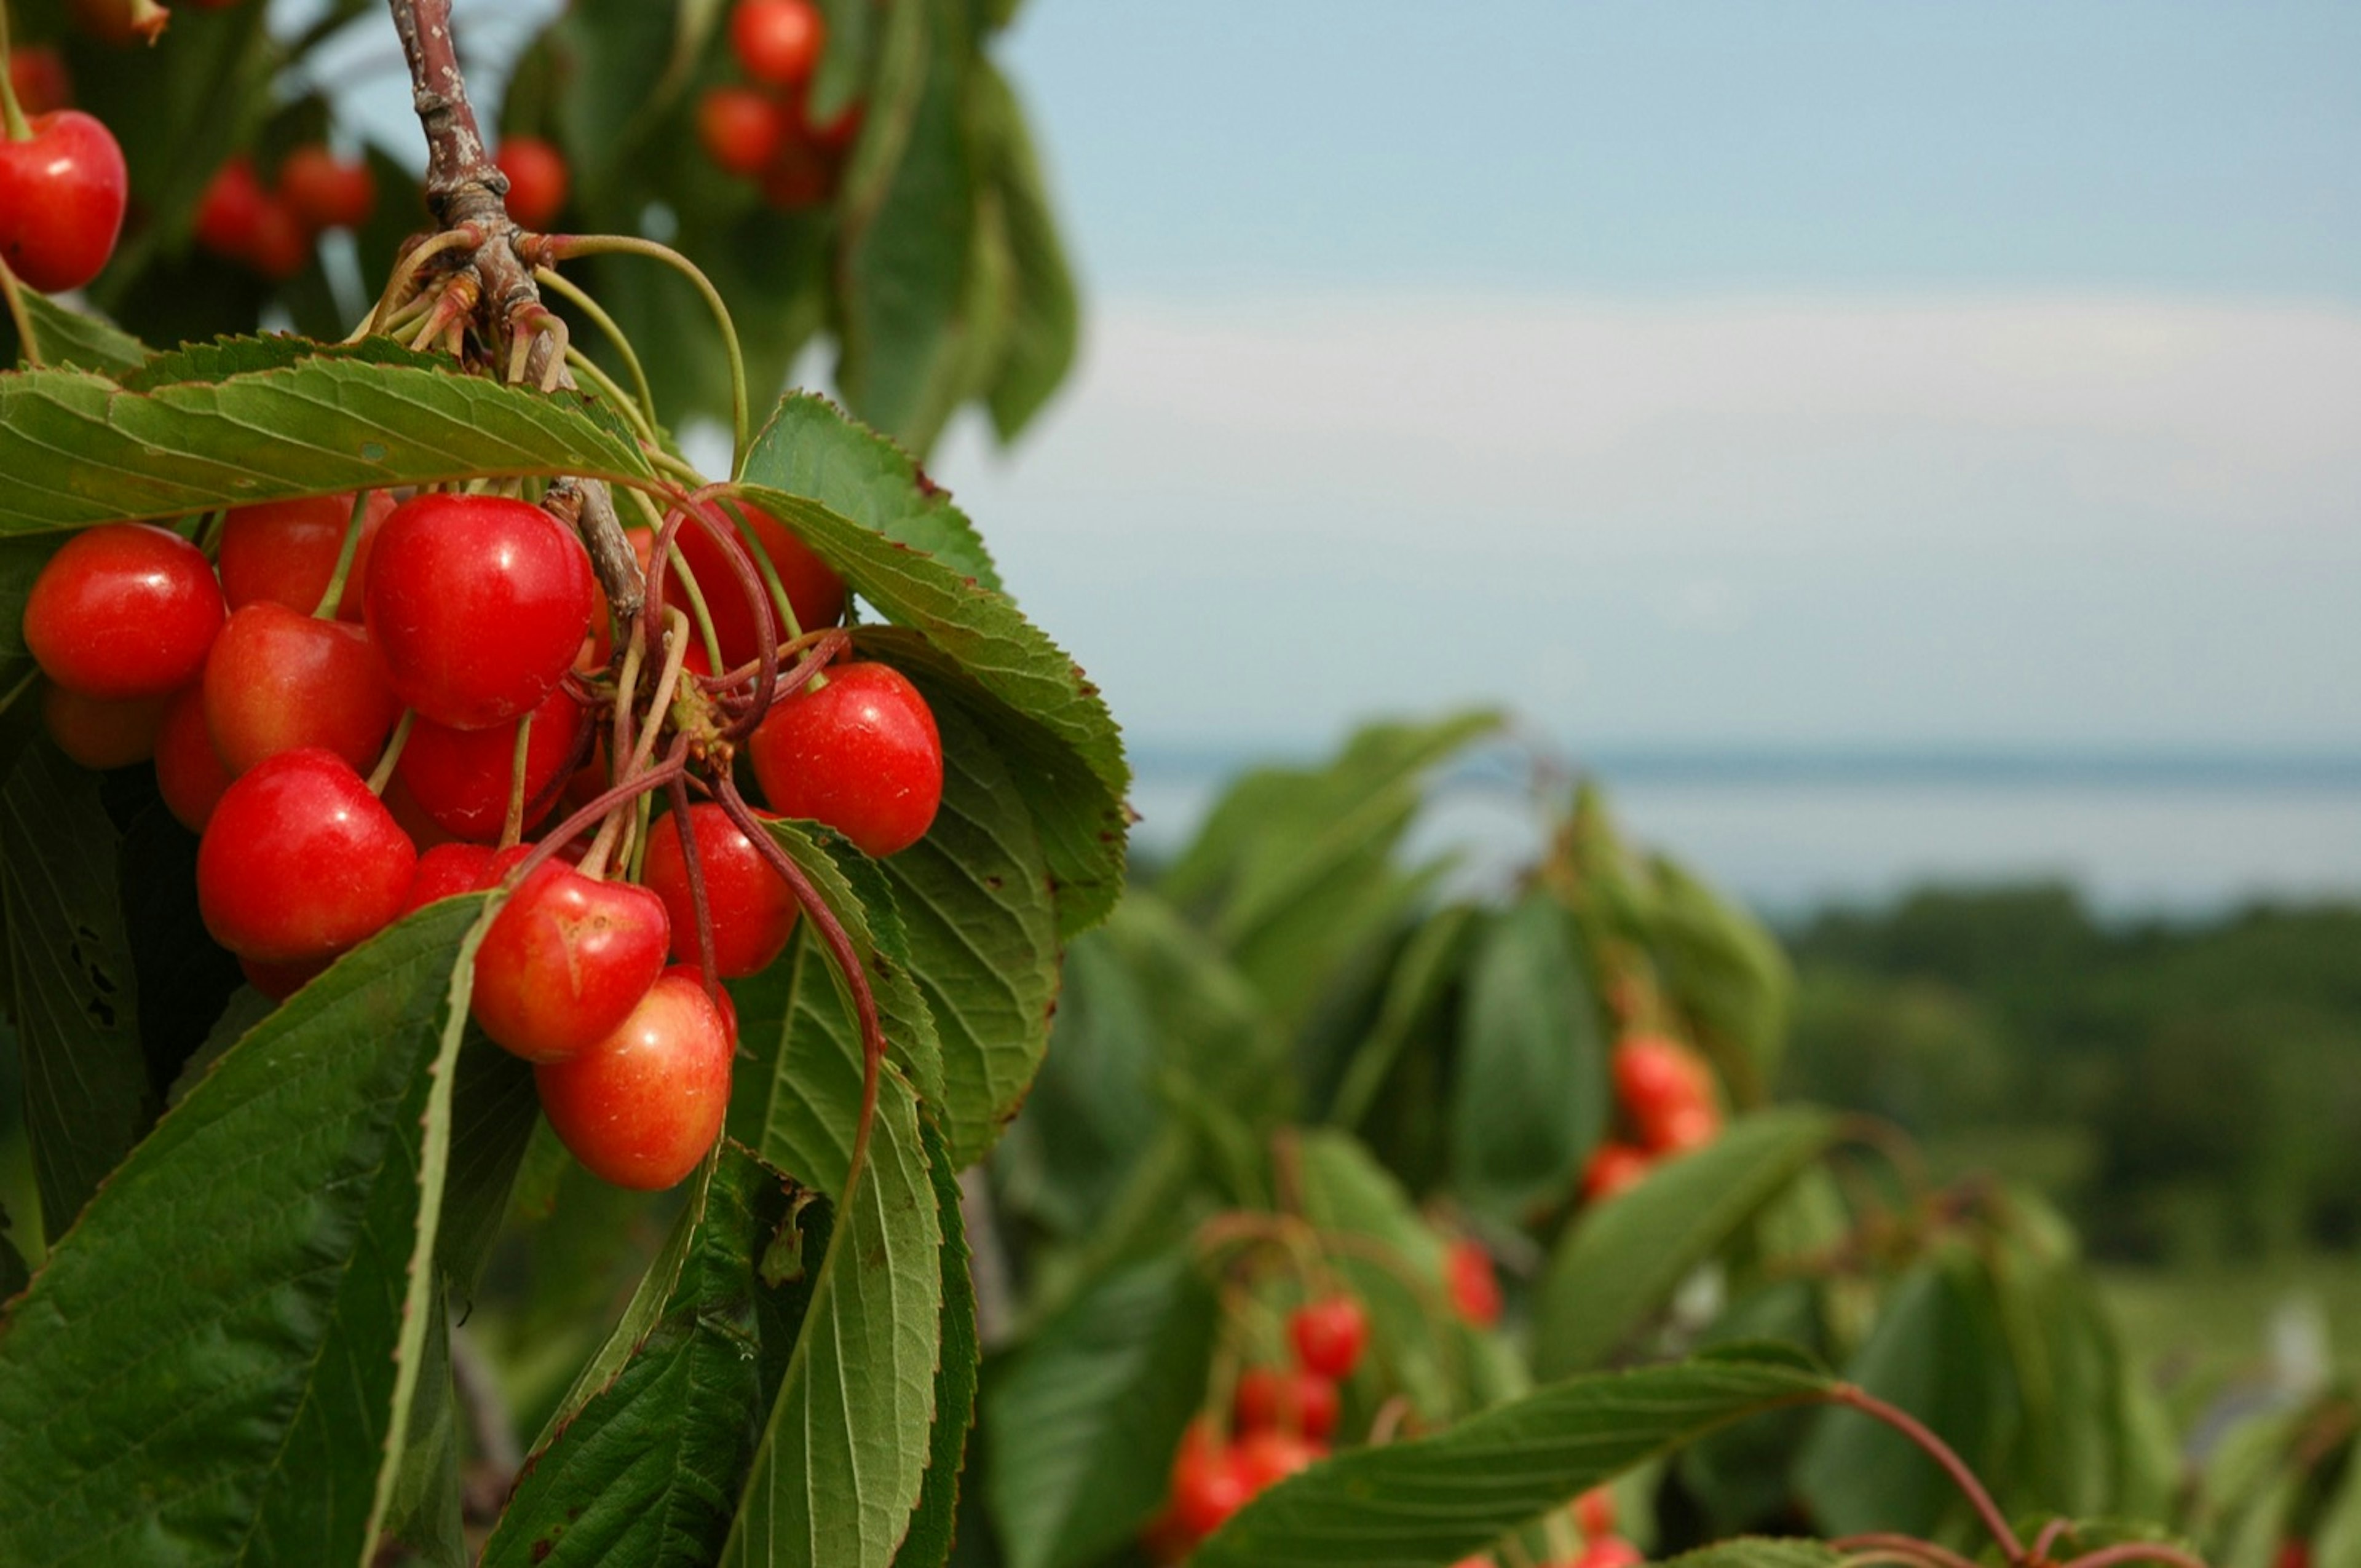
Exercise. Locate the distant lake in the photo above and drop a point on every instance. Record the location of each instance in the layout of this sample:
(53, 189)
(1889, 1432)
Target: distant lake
(2167, 834)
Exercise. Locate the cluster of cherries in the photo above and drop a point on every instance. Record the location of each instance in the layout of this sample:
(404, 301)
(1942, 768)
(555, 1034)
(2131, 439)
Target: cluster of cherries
(1594, 1520)
(447, 645)
(271, 229)
(1281, 1419)
(761, 129)
(1666, 1095)
(63, 183)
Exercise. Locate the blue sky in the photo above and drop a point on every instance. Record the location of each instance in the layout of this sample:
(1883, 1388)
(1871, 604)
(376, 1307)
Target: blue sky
(1704, 374)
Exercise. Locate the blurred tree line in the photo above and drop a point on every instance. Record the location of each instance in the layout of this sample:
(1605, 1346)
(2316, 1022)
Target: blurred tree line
(2187, 1093)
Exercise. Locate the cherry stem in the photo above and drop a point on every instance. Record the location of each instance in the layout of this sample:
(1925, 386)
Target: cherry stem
(567, 247)
(1889, 1547)
(1917, 1431)
(668, 682)
(2136, 1551)
(345, 554)
(557, 282)
(732, 551)
(513, 825)
(395, 300)
(383, 774)
(2039, 1551)
(12, 112)
(840, 947)
(692, 861)
(29, 342)
(674, 765)
(791, 629)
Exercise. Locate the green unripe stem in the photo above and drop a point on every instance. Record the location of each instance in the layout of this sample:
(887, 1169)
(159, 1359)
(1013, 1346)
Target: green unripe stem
(382, 775)
(677, 569)
(28, 343)
(327, 608)
(513, 825)
(10, 110)
(582, 365)
(741, 426)
(556, 283)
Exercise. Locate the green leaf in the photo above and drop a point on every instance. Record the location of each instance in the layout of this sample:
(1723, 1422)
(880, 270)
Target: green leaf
(1045, 320)
(1624, 1257)
(1415, 986)
(1936, 1353)
(1083, 1423)
(1530, 1097)
(14, 1275)
(80, 450)
(975, 899)
(812, 447)
(69, 337)
(1427, 1502)
(1725, 971)
(88, 1097)
(211, 1362)
(796, 1019)
(647, 1469)
(843, 1459)
(494, 1108)
(2336, 1534)
(934, 1521)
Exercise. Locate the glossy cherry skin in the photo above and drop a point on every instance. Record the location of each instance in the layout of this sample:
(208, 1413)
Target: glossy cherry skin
(1654, 1075)
(1613, 1169)
(1328, 1335)
(100, 733)
(1593, 1512)
(286, 551)
(278, 680)
(741, 128)
(1684, 1128)
(777, 41)
(325, 191)
(861, 754)
(816, 594)
(37, 72)
(230, 209)
(1287, 1400)
(448, 869)
(641, 1107)
(61, 198)
(719, 993)
(461, 778)
(754, 909)
(299, 861)
(281, 245)
(1265, 1458)
(1207, 1485)
(1610, 1551)
(538, 179)
(124, 611)
(565, 962)
(189, 771)
(479, 605)
(1474, 1288)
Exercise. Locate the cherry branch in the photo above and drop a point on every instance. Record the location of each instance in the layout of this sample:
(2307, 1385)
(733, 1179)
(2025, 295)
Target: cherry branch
(1910, 1426)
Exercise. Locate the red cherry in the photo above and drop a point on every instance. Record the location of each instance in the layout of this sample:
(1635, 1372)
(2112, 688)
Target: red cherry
(280, 982)
(124, 611)
(62, 193)
(325, 191)
(230, 209)
(566, 961)
(837, 134)
(1265, 1458)
(121, 22)
(641, 1107)
(1654, 1075)
(1328, 1335)
(538, 179)
(800, 177)
(1475, 1289)
(1594, 1511)
(279, 246)
(100, 733)
(777, 41)
(814, 593)
(860, 754)
(286, 551)
(189, 771)
(721, 999)
(1288, 1400)
(299, 861)
(478, 604)
(1207, 1488)
(1684, 1128)
(741, 128)
(754, 909)
(1610, 1551)
(461, 778)
(278, 680)
(448, 869)
(37, 72)
(1613, 1167)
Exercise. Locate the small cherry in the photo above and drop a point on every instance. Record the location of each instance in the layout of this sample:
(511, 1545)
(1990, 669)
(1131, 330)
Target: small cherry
(1613, 1169)
(479, 605)
(798, 179)
(777, 41)
(1265, 1458)
(1207, 1488)
(462, 778)
(279, 246)
(859, 753)
(741, 128)
(1594, 1511)
(1610, 1551)
(1474, 1288)
(189, 771)
(1289, 1399)
(100, 733)
(1654, 1075)
(641, 1107)
(230, 209)
(278, 679)
(287, 551)
(300, 860)
(1684, 1128)
(752, 908)
(38, 74)
(447, 871)
(325, 191)
(124, 611)
(538, 179)
(1328, 1334)
(814, 593)
(64, 188)
(837, 135)
(566, 961)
